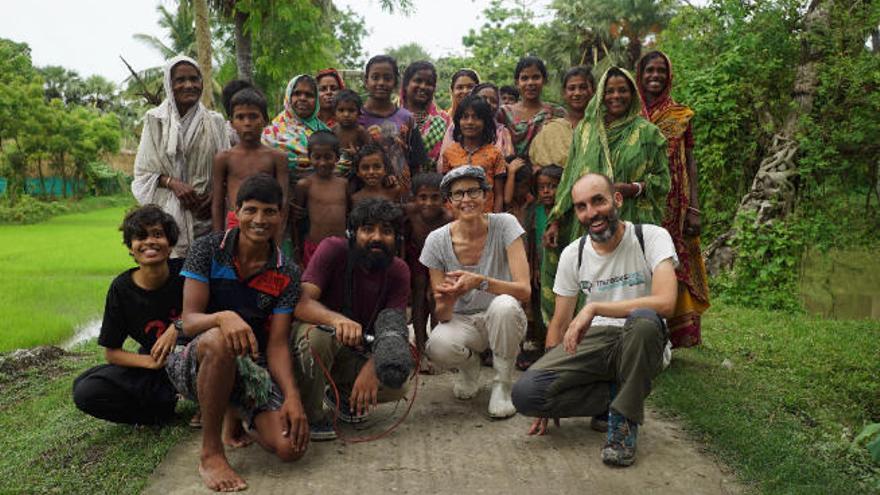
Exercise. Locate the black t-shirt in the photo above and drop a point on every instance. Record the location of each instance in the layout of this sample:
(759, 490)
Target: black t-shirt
(144, 315)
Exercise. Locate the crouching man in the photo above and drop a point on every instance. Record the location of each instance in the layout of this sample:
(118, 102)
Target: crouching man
(238, 297)
(359, 289)
(613, 348)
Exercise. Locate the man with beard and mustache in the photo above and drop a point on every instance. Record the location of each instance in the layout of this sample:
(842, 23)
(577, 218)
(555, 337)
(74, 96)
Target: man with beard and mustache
(358, 287)
(613, 348)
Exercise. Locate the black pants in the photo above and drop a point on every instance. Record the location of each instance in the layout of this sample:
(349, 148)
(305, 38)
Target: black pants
(125, 395)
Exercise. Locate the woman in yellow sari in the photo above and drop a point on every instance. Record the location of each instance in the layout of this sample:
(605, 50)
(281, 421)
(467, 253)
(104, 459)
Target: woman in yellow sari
(613, 139)
(682, 218)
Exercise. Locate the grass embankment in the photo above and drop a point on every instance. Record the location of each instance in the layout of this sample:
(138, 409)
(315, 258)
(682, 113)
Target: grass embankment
(784, 415)
(56, 275)
(50, 447)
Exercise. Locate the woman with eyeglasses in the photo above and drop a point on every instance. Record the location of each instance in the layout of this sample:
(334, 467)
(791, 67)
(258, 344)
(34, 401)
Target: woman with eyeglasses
(479, 278)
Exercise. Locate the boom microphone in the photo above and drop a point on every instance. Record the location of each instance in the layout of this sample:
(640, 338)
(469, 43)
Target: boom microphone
(391, 353)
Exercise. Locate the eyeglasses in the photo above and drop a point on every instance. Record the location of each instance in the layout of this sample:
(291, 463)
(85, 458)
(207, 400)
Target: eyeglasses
(473, 193)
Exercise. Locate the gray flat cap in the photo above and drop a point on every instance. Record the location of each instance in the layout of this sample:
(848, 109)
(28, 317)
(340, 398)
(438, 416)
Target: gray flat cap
(465, 172)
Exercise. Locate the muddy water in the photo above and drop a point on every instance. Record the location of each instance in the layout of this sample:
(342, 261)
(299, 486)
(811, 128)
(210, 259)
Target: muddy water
(841, 284)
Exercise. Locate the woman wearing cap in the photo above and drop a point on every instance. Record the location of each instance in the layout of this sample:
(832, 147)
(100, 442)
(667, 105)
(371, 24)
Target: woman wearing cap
(479, 277)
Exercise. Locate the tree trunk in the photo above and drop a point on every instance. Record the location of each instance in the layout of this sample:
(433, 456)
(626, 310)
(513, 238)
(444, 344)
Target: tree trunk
(203, 45)
(772, 194)
(244, 54)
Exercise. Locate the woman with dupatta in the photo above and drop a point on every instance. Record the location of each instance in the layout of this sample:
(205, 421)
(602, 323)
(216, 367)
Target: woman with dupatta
(417, 96)
(290, 130)
(682, 204)
(613, 139)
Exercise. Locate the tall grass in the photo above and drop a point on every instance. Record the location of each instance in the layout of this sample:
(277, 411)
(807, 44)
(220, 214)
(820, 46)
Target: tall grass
(55, 275)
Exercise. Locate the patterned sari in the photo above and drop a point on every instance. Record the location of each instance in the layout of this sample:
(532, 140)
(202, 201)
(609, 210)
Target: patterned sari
(522, 131)
(432, 126)
(630, 149)
(290, 133)
(674, 121)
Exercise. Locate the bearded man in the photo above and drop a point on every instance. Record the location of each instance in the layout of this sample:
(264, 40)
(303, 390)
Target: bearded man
(357, 288)
(613, 348)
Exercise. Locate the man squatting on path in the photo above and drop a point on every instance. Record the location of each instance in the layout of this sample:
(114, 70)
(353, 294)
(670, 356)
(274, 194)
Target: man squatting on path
(236, 280)
(613, 347)
(359, 287)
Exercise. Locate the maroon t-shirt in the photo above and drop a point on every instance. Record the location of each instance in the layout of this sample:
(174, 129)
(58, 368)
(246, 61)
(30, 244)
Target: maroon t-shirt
(327, 271)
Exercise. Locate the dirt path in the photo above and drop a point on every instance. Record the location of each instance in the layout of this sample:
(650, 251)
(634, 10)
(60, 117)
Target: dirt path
(450, 446)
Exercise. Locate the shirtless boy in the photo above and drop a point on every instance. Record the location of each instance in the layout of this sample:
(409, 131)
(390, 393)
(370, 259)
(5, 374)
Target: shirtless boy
(424, 213)
(323, 195)
(247, 158)
(347, 108)
(373, 177)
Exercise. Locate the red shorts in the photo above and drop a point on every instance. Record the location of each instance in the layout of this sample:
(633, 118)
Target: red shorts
(231, 220)
(309, 249)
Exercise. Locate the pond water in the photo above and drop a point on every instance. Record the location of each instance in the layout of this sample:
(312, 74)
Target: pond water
(841, 284)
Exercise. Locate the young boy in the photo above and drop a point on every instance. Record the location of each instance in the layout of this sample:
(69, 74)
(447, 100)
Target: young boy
(546, 182)
(347, 108)
(424, 213)
(509, 95)
(142, 304)
(247, 158)
(323, 195)
(518, 198)
(373, 177)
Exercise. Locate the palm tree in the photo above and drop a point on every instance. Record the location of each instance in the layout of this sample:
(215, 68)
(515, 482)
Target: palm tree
(180, 26)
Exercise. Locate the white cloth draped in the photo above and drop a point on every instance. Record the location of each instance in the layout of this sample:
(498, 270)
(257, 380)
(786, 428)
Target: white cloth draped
(182, 148)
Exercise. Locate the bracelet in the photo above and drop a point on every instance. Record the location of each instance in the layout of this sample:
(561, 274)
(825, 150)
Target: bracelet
(167, 181)
(695, 210)
(639, 192)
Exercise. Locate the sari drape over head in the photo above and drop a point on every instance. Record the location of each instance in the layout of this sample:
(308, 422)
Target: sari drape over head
(335, 75)
(629, 149)
(674, 121)
(432, 126)
(181, 147)
(523, 131)
(290, 133)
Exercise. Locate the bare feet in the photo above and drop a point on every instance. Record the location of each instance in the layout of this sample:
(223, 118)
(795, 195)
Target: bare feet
(233, 432)
(218, 474)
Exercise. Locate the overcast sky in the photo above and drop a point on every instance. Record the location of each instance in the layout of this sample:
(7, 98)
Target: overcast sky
(89, 35)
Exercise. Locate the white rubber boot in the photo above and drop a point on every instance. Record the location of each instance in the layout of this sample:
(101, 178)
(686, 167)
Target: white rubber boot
(467, 380)
(500, 403)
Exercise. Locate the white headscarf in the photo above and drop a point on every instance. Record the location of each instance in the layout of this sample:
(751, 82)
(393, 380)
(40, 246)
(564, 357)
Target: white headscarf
(181, 147)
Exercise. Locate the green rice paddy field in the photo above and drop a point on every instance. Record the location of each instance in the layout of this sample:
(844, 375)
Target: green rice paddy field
(55, 275)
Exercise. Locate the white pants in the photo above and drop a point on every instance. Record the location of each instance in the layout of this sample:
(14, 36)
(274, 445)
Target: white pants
(501, 328)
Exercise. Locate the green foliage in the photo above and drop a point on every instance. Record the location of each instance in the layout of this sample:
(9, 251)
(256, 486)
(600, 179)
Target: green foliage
(350, 30)
(27, 209)
(766, 271)
(734, 65)
(784, 415)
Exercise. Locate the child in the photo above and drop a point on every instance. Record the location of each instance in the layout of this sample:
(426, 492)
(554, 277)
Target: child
(509, 95)
(323, 194)
(143, 303)
(547, 181)
(346, 110)
(373, 177)
(425, 212)
(474, 135)
(248, 157)
(229, 91)
(393, 127)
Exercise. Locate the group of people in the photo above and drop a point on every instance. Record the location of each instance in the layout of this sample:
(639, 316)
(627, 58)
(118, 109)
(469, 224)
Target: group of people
(277, 260)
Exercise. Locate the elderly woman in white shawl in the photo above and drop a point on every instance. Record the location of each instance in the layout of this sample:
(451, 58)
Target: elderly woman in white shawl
(174, 159)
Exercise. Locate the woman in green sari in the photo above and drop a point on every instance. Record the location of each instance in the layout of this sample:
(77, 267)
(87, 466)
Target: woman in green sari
(613, 139)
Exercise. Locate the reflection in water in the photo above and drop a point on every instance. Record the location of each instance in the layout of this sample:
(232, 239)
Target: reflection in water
(87, 331)
(841, 284)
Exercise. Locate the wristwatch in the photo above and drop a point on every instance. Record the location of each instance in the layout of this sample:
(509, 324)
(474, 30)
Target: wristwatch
(178, 325)
(484, 285)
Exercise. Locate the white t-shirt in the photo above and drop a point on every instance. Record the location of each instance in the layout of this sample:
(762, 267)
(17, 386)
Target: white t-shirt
(439, 254)
(623, 274)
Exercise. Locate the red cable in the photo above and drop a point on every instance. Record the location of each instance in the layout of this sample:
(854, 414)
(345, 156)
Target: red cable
(415, 380)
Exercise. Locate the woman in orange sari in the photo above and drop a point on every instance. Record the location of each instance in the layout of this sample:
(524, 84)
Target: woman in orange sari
(682, 218)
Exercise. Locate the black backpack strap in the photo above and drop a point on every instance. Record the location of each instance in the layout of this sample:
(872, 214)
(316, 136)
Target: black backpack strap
(641, 237)
(581, 250)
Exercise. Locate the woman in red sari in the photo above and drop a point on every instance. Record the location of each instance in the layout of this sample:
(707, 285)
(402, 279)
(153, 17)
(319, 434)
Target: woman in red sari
(682, 218)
